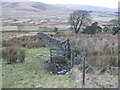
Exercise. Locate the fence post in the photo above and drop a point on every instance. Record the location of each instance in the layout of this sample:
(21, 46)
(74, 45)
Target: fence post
(51, 55)
(71, 60)
(68, 51)
(85, 54)
(84, 72)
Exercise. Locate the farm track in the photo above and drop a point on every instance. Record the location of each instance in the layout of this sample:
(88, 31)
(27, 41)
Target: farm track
(6, 31)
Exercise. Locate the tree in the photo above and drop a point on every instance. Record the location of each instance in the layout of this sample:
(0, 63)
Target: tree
(106, 29)
(78, 19)
(96, 27)
(114, 26)
(56, 30)
(115, 30)
(20, 27)
(93, 29)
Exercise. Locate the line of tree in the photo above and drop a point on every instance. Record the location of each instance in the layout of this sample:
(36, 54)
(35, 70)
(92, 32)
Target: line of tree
(113, 26)
(80, 20)
(93, 29)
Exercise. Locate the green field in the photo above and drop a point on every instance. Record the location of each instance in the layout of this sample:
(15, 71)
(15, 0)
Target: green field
(26, 28)
(32, 74)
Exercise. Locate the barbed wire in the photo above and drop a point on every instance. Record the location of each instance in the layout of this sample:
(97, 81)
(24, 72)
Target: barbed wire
(56, 43)
(97, 71)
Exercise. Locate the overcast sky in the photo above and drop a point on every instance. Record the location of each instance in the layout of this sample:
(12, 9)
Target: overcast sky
(15, 0)
(105, 3)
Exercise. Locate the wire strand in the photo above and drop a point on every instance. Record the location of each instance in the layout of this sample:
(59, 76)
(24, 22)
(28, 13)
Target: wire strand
(97, 71)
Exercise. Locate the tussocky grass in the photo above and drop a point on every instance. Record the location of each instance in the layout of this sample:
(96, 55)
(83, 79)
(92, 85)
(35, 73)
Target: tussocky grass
(32, 74)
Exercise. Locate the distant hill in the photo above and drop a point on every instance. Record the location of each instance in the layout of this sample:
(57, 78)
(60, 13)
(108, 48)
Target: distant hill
(37, 10)
(88, 8)
(31, 10)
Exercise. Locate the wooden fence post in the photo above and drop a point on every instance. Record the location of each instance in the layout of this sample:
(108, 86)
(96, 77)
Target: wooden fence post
(71, 60)
(68, 51)
(51, 55)
(85, 54)
(84, 72)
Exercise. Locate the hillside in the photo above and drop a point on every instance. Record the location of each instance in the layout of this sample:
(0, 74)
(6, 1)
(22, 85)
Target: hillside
(95, 9)
(38, 10)
(31, 10)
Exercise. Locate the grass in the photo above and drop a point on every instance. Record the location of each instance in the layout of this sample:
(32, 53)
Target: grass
(45, 27)
(32, 74)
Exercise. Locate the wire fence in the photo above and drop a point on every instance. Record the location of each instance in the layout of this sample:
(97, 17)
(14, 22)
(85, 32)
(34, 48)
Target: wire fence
(53, 42)
(73, 57)
(96, 72)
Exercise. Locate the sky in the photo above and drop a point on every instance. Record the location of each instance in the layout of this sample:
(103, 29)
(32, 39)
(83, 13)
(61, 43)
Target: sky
(15, 0)
(104, 3)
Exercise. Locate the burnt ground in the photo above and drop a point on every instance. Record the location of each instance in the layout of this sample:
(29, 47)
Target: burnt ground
(59, 67)
(56, 68)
